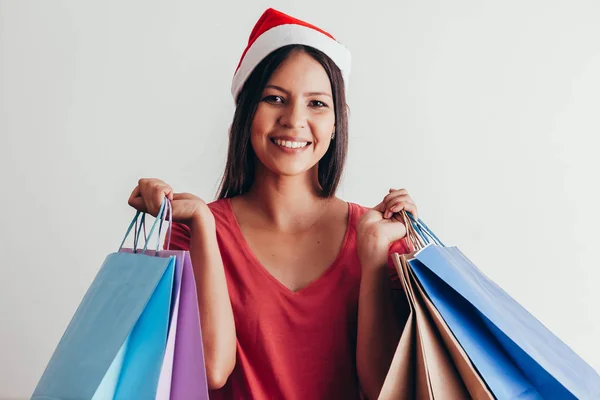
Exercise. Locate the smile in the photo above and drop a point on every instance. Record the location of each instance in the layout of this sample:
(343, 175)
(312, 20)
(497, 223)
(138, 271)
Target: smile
(289, 144)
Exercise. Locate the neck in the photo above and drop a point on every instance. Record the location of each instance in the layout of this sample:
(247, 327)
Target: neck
(287, 202)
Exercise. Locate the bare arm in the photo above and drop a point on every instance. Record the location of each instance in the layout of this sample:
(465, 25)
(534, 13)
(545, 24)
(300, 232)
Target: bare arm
(380, 323)
(216, 314)
(379, 329)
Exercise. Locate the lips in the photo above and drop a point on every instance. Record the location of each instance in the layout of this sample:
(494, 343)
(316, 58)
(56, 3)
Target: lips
(290, 144)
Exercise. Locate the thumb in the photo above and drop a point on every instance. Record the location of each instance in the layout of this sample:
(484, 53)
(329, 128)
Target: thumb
(138, 204)
(395, 230)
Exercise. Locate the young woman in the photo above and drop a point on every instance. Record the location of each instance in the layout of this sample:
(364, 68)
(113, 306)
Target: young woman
(294, 287)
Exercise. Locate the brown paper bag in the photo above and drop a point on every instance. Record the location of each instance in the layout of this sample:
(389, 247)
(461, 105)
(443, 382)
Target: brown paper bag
(429, 363)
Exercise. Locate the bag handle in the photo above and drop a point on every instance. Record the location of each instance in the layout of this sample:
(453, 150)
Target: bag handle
(418, 232)
(165, 208)
(168, 212)
(411, 235)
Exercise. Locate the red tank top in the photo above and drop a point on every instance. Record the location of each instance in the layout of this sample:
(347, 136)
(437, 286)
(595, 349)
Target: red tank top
(290, 345)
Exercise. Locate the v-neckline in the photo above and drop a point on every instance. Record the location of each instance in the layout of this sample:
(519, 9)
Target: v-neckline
(259, 266)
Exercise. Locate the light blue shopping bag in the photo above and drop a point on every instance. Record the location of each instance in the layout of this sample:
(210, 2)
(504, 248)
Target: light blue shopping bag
(114, 345)
(516, 355)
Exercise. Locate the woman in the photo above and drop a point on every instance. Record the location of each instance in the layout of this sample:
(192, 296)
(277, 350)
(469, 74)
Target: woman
(294, 288)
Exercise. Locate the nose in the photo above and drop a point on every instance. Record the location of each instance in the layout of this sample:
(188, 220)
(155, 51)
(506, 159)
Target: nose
(294, 115)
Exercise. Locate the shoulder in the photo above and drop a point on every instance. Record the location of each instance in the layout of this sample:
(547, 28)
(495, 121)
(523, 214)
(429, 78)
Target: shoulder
(358, 208)
(218, 205)
(356, 211)
(221, 210)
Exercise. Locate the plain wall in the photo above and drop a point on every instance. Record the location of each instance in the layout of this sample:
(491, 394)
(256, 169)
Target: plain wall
(486, 111)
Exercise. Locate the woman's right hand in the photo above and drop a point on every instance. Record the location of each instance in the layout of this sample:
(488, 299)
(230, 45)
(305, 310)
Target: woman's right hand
(186, 208)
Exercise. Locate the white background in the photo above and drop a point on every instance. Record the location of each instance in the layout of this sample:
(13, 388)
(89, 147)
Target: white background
(487, 111)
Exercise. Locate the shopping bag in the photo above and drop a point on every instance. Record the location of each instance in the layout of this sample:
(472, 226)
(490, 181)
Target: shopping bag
(183, 373)
(189, 373)
(428, 363)
(163, 389)
(515, 354)
(113, 346)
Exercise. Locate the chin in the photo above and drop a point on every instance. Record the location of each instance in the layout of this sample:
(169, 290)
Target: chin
(288, 169)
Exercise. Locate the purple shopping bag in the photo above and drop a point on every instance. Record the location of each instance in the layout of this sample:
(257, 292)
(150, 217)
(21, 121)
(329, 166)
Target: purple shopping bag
(188, 380)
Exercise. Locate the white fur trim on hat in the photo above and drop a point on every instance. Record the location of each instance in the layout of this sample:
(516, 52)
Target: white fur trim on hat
(284, 35)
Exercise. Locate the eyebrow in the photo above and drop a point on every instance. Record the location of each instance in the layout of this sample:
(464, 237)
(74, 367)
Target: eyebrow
(305, 94)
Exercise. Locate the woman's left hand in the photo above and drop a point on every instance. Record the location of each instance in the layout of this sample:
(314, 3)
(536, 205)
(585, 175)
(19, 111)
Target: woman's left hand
(381, 226)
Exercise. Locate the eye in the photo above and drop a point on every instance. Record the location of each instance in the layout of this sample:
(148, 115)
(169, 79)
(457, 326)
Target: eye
(273, 99)
(318, 104)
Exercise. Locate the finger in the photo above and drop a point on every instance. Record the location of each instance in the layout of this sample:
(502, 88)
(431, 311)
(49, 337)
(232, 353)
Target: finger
(136, 201)
(393, 197)
(161, 191)
(399, 205)
(397, 198)
(412, 208)
(394, 193)
(135, 193)
(138, 204)
(398, 218)
(396, 230)
(151, 193)
(406, 206)
(170, 194)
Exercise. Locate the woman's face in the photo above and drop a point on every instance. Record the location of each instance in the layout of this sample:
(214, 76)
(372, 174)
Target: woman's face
(295, 118)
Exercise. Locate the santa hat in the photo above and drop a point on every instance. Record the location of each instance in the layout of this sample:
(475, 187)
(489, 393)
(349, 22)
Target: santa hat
(274, 30)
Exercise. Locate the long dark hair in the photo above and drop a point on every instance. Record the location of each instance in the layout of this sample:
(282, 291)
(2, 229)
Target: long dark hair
(240, 168)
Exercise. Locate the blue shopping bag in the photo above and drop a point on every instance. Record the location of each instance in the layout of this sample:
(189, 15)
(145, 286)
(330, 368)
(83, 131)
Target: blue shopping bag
(114, 345)
(516, 355)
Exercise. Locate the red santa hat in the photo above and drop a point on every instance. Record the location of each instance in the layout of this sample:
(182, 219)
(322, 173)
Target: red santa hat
(274, 30)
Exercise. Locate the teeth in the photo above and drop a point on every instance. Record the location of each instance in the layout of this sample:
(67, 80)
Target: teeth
(289, 144)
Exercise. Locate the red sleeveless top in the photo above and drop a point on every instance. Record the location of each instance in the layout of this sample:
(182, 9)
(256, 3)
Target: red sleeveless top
(290, 345)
